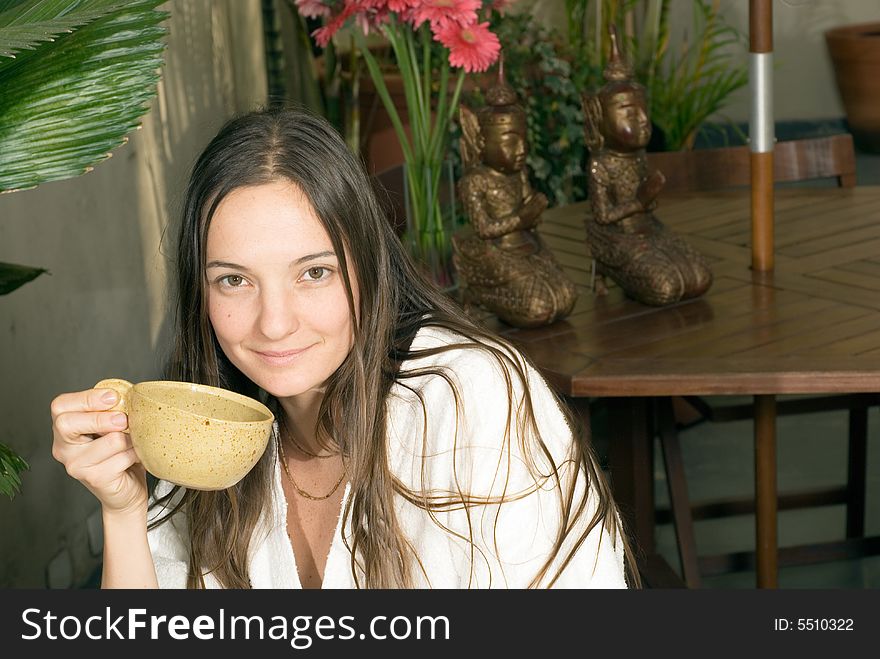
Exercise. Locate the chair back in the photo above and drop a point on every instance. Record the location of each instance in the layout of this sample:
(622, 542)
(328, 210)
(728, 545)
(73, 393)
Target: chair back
(794, 160)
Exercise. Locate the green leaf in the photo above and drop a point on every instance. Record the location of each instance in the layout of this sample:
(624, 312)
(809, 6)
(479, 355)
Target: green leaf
(11, 465)
(24, 30)
(65, 104)
(12, 276)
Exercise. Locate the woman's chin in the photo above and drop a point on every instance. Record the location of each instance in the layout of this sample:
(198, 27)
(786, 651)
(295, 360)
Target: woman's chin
(290, 389)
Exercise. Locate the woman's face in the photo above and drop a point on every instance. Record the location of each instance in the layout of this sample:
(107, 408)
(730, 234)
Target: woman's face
(276, 298)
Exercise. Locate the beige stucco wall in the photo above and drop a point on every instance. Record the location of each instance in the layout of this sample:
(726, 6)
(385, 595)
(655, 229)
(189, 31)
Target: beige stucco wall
(102, 312)
(804, 85)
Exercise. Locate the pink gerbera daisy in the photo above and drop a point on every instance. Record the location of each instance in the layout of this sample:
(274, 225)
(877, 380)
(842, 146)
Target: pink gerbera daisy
(312, 8)
(323, 34)
(442, 13)
(371, 20)
(402, 5)
(472, 47)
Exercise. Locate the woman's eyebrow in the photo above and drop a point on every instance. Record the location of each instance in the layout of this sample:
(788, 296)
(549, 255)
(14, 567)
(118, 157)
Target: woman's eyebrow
(311, 257)
(301, 259)
(224, 264)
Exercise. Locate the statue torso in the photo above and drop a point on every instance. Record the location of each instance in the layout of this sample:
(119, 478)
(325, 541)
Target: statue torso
(503, 195)
(623, 173)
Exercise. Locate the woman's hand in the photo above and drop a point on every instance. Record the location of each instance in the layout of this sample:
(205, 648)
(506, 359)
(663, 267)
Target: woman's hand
(89, 442)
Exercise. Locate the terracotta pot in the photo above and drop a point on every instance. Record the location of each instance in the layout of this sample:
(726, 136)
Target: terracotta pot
(855, 54)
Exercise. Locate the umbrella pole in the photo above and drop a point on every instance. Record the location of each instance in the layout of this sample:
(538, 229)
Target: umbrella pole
(761, 131)
(761, 141)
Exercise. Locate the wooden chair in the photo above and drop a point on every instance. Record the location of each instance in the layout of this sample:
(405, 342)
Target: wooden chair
(713, 169)
(728, 167)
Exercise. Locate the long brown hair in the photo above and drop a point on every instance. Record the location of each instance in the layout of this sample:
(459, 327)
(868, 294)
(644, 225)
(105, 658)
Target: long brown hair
(394, 303)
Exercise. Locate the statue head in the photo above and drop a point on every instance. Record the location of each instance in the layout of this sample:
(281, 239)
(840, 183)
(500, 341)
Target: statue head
(618, 114)
(503, 128)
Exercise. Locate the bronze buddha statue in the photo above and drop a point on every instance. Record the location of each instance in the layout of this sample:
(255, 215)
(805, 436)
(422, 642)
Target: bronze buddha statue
(628, 243)
(503, 264)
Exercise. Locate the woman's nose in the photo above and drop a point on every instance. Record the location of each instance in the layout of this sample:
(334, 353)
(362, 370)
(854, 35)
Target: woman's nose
(279, 314)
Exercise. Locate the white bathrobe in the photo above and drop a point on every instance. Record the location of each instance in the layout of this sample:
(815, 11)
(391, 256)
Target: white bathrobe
(511, 541)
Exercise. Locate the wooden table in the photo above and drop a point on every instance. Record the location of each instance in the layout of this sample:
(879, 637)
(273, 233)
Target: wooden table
(810, 327)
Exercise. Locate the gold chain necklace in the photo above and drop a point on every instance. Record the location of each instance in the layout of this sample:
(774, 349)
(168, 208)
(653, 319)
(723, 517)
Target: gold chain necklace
(299, 490)
(306, 451)
(299, 446)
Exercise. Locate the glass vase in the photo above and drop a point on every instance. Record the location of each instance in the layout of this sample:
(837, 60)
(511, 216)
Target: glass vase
(429, 204)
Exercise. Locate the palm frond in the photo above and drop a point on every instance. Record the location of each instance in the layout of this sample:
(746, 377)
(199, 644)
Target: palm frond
(11, 465)
(23, 27)
(12, 276)
(65, 104)
(695, 83)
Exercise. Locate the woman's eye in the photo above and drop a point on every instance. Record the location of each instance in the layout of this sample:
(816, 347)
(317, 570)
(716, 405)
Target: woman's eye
(316, 273)
(233, 281)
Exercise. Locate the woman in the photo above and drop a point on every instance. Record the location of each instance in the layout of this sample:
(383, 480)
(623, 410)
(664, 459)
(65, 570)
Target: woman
(413, 448)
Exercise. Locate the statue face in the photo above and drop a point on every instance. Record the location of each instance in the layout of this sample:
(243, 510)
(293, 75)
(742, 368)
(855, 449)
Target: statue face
(625, 120)
(505, 149)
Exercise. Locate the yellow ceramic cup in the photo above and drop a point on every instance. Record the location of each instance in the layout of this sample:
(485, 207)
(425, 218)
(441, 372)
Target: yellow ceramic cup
(201, 437)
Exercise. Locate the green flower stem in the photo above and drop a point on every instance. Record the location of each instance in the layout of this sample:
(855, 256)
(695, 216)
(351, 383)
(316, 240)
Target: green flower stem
(454, 104)
(442, 95)
(424, 150)
(426, 78)
(437, 147)
(382, 90)
(422, 105)
(410, 76)
(418, 184)
(405, 67)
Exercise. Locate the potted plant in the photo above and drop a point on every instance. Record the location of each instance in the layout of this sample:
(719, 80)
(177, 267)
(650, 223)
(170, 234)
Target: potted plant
(687, 83)
(75, 78)
(855, 55)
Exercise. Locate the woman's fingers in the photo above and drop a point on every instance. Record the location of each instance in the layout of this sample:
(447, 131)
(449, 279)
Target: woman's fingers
(104, 473)
(71, 426)
(89, 400)
(103, 448)
(88, 439)
(119, 482)
(78, 416)
(81, 460)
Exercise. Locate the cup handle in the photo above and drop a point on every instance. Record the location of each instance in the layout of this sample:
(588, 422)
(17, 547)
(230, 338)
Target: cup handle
(121, 387)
